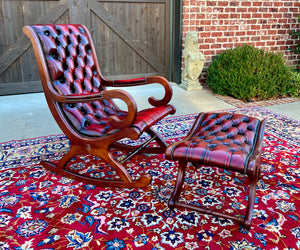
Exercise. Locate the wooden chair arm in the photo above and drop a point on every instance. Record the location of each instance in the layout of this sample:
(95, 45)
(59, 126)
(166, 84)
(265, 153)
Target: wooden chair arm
(146, 80)
(104, 95)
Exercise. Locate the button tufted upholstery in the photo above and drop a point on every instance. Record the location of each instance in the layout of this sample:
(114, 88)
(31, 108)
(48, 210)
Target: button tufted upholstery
(225, 140)
(73, 71)
(84, 108)
(221, 139)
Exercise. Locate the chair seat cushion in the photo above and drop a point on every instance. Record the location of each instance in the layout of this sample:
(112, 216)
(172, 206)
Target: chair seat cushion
(90, 121)
(223, 140)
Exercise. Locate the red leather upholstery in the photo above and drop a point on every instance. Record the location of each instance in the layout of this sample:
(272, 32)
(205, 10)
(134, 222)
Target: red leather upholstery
(223, 140)
(73, 71)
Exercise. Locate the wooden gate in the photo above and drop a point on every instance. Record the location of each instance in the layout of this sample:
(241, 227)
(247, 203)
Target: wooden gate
(132, 37)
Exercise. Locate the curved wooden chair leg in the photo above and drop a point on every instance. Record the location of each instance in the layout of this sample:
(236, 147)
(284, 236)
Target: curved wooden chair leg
(251, 199)
(60, 166)
(178, 185)
(125, 181)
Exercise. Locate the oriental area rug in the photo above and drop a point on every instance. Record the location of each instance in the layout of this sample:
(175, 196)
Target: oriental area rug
(42, 210)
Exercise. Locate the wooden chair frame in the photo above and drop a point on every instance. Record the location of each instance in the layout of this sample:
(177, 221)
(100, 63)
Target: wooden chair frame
(252, 172)
(102, 146)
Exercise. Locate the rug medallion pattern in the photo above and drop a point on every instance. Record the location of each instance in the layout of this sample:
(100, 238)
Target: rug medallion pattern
(41, 210)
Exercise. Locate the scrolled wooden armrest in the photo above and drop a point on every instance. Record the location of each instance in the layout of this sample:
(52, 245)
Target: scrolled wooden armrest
(146, 80)
(105, 95)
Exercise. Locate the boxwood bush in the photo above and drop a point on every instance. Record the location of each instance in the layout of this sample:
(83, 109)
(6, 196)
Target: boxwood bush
(293, 89)
(249, 74)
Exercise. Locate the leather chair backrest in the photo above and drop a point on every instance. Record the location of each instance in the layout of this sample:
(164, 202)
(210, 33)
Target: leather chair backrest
(72, 68)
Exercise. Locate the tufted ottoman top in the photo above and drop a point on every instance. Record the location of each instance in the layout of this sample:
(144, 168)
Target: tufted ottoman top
(223, 140)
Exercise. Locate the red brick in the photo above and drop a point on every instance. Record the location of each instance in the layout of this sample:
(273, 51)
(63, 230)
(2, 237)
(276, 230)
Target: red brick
(279, 43)
(287, 15)
(270, 43)
(216, 46)
(251, 21)
(265, 38)
(246, 3)
(205, 34)
(223, 16)
(209, 52)
(216, 34)
(223, 3)
(246, 15)
(235, 15)
(244, 39)
(211, 3)
(260, 44)
(204, 46)
(266, 27)
(267, 4)
(186, 22)
(233, 39)
(222, 40)
(252, 10)
(200, 16)
(241, 9)
(193, 23)
(277, 15)
(218, 10)
(255, 38)
(240, 33)
(255, 27)
(205, 22)
(231, 33)
(278, 4)
(185, 16)
(221, 28)
(282, 32)
(272, 32)
(195, 9)
(234, 3)
(218, 22)
(284, 10)
(258, 3)
(272, 10)
(228, 45)
(210, 40)
(288, 3)
(209, 28)
(230, 10)
(267, 15)
(263, 10)
(251, 33)
(256, 15)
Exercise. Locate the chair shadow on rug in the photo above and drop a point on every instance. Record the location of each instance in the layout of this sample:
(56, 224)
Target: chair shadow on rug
(84, 109)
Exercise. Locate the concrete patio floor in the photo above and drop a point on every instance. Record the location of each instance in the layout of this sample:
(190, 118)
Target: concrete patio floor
(28, 116)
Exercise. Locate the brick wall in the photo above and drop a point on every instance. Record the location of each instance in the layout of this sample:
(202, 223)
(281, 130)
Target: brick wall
(226, 24)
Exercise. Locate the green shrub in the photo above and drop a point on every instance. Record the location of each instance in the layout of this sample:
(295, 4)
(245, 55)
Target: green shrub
(247, 73)
(293, 89)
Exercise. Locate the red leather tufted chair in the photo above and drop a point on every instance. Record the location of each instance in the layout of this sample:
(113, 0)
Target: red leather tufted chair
(84, 109)
(224, 140)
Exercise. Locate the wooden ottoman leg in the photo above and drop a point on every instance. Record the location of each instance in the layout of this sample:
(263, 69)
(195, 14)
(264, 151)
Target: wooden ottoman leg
(251, 198)
(178, 185)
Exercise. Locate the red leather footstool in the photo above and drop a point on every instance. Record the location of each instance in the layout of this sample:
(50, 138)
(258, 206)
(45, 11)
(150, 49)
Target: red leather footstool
(224, 140)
